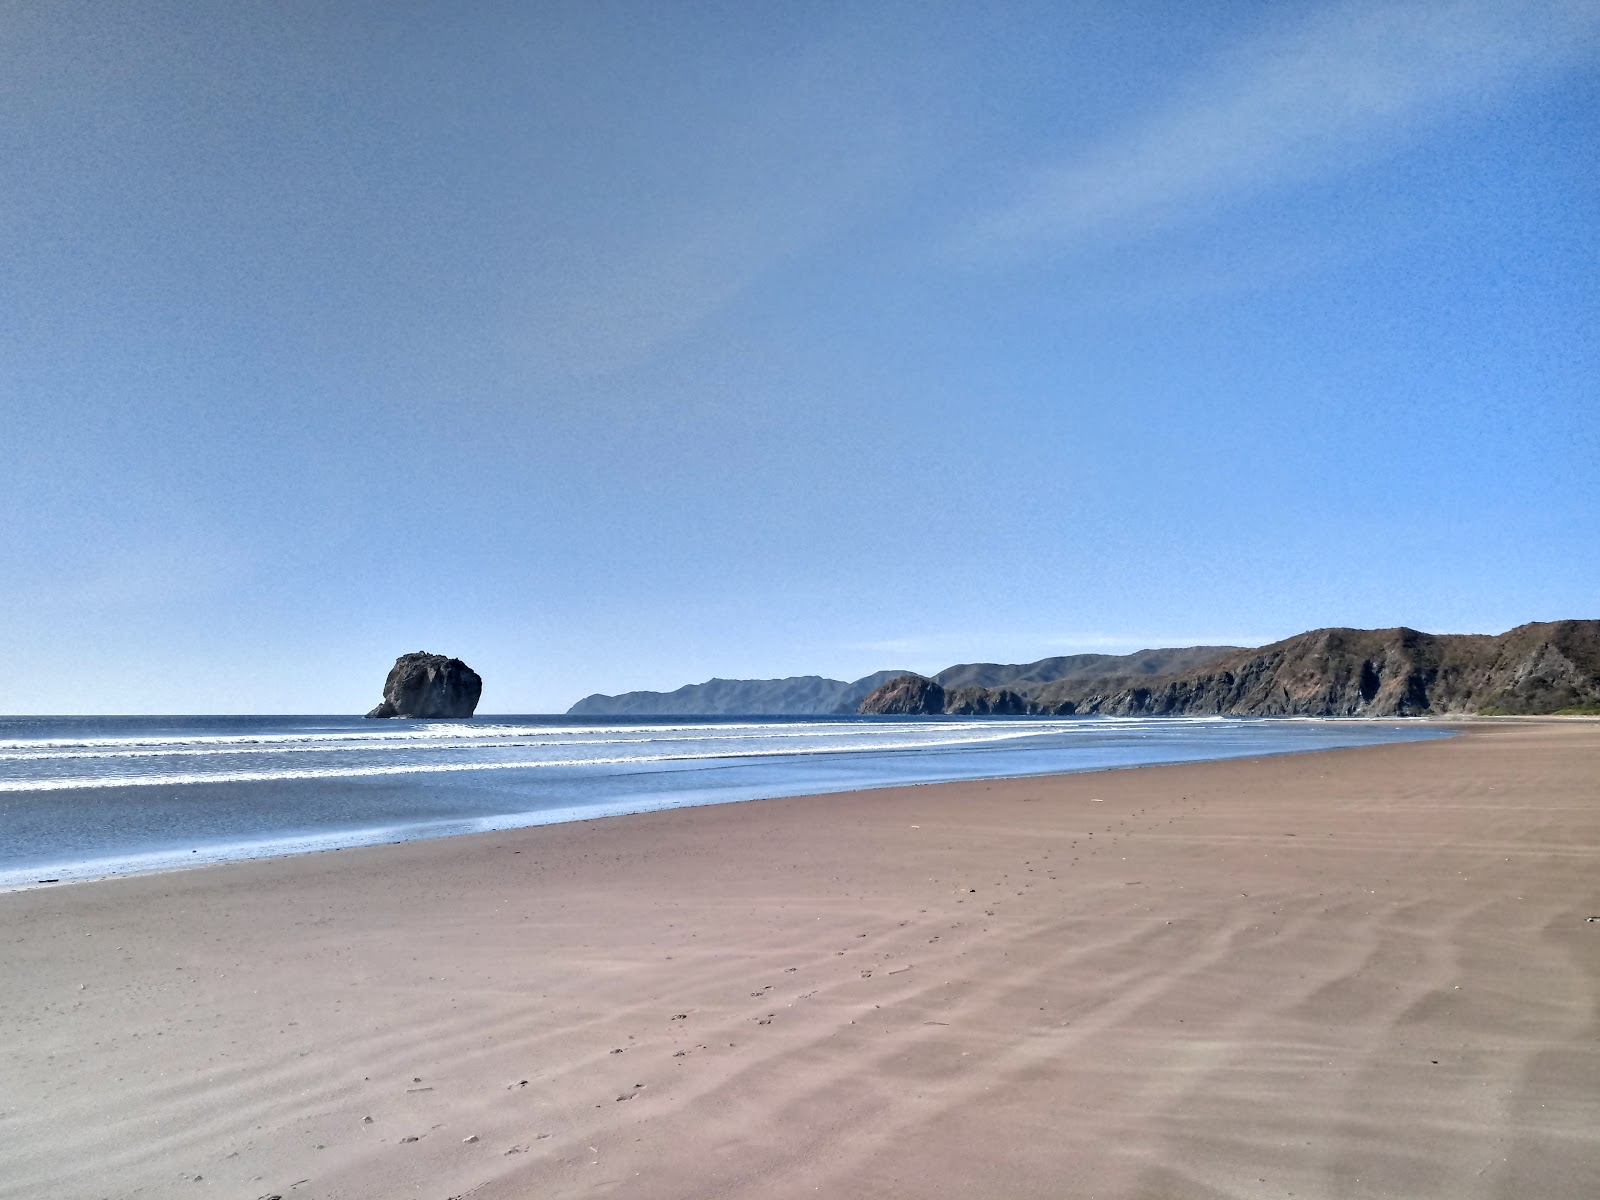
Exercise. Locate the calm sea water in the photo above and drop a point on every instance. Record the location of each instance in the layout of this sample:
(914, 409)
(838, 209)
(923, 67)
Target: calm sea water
(82, 797)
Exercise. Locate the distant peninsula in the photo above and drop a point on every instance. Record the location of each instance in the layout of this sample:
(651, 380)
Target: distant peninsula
(799, 696)
(1543, 667)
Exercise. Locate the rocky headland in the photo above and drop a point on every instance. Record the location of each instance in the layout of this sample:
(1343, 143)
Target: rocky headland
(908, 695)
(1543, 667)
(974, 701)
(814, 695)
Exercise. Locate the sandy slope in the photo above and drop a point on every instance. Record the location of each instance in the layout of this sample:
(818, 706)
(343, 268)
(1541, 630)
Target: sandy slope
(1354, 974)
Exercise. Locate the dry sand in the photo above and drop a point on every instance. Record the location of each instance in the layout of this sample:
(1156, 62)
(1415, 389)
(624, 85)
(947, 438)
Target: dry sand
(1358, 973)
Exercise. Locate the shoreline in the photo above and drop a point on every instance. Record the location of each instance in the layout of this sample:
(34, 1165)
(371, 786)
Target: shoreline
(398, 827)
(1347, 973)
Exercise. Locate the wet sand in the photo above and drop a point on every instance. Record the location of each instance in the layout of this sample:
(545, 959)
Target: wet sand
(1358, 973)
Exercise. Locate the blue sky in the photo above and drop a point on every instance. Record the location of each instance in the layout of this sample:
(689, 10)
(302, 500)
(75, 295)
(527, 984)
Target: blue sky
(623, 345)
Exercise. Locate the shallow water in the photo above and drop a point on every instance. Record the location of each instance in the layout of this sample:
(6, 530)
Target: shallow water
(82, 797)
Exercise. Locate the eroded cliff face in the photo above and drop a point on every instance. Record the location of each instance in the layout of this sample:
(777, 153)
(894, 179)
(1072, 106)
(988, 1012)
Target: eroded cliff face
(1330, 673)
(429, 685)
(807, 694)
(1402, 672)
(974, 701)
(1536, 668)
(905, 695)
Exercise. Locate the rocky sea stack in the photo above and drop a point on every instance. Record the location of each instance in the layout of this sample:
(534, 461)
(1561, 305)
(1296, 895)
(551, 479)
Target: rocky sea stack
(429, 685)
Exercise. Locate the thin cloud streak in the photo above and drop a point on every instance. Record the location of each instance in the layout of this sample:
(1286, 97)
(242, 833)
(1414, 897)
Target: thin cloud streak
(1296, 104)
(826, 143)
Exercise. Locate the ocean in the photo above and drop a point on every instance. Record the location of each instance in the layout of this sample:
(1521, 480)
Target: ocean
(85, 797)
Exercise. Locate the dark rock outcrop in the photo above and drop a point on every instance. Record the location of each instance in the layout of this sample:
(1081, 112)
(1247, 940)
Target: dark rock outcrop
(904, 695)
(429, 685)
(974, 701)
(1538, 668)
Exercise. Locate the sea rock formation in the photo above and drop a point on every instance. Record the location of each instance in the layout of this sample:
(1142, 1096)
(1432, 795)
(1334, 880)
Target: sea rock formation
(429, 685)
(904, 695)
(974, 701)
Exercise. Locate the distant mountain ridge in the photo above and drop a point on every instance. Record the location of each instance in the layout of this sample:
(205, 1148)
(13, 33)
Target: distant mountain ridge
(797, 696)
(1080, 666)
(813, 695)
(1542, 667)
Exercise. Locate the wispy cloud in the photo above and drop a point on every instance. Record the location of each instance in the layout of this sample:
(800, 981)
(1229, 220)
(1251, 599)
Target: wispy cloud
(1296, 103)
(820, 144)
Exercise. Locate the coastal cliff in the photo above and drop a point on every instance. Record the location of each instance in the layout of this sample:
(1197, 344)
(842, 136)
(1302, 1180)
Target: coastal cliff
(1022, 676)
(1538, 668)
(974, 701)
(917, 695)
(908, 695)
(814, 695)
(1544, 667)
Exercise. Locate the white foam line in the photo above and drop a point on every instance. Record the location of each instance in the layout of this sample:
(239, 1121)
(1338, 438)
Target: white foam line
(56, 785)
(409, 733)
(84, 870)
(445, 733)
(819, 731)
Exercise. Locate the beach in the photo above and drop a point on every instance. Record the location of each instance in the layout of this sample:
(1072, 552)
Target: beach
(1355, 973)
